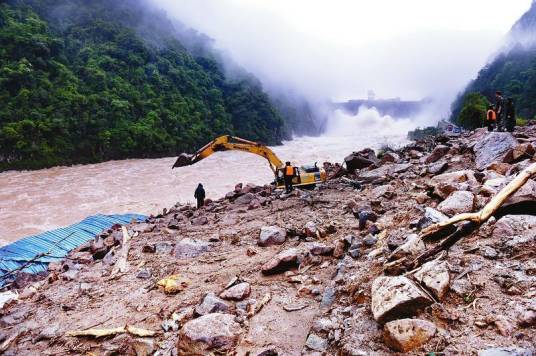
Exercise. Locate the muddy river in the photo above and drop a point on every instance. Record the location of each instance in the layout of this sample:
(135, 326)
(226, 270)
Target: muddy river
(36, 201)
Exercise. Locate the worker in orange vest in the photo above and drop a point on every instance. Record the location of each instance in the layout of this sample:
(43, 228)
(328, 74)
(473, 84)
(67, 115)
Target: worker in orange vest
(491, 118)
(288, 175)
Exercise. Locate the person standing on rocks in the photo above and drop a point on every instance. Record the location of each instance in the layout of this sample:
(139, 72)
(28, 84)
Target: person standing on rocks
(510, 115)
(500, 110)
(288, 175)
(199, 195)
(491, 118)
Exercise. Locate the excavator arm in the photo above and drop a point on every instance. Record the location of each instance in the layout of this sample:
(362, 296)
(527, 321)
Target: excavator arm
(230, 143)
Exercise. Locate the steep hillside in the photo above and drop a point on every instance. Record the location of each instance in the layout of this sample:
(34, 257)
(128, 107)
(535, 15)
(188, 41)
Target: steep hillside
(91, 81)
(513, 71)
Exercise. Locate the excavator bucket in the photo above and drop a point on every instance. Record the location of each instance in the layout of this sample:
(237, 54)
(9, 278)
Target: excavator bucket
(183, 160)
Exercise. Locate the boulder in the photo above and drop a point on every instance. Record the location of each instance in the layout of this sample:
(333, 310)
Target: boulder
(520, 152)
(212, 332)
(391, 157)
(505, 351)
(499, 167)
(310, 229)
(316, 343)
(356, 161)
(237, 292)
(438, 167)
(188, 248)
(412, 247)
(281, 262)
(396, 297)
(516, 231)
(272, 235)
(211, 304)
(446, 183)
(245, 199)
(493, 147)
(527, 193)
(408, 334)
(457, 203)
(438, 153)
(431, 216)
(435, 277)
(384, 171)
(200, 220)
(317, 248)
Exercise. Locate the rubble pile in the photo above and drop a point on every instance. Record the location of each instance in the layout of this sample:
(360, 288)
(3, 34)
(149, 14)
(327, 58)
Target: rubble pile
(261, 272)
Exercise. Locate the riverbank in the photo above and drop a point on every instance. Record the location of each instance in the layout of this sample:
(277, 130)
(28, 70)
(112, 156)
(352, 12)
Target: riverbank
(263, 273)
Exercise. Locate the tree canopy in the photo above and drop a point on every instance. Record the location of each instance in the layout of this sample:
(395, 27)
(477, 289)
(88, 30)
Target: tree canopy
(87, 81)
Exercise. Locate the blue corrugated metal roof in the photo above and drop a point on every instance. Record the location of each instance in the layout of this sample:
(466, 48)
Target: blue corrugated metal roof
(14, 255)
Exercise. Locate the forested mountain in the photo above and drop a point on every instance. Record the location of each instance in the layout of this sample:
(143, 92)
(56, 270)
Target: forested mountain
(512, 71)
(86, 81)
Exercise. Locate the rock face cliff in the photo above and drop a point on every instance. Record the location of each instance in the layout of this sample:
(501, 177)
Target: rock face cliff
(306, 273)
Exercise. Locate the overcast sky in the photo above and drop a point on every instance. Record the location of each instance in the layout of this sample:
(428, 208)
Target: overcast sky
(341, 48)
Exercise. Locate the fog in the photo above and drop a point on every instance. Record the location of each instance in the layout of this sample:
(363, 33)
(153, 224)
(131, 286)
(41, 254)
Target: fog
(339, 49)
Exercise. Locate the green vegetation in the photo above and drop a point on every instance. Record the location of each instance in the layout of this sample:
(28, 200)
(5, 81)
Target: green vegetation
(514, 73)
(473, 111)
(87, 81)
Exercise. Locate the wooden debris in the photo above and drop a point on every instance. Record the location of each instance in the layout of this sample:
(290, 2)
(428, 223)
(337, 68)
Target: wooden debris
(291, 308)
(112, 331)
(121, 266)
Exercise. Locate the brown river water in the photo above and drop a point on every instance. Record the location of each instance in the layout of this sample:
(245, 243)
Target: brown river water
(35, 201)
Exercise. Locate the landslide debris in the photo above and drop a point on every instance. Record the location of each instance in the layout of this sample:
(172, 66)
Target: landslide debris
(260, 272)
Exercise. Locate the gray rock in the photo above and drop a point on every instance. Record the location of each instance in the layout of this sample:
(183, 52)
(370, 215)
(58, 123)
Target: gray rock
(370, 240)
(237, 292)
(310, 229)
(315, 342)
(506, 351)
(438, 152)
(282, 262)
(438, 167)
(144, 273)
(245, 199)
(200, 220)
(396, 297)
(317, 249)
(405, 335)
(211, 332)
(188, 248)
(457, 203)
(384, 171)
(446, 183)
(412, 247)
(328, 297)
(163, 248)
(516, 231)
(211, 304)
(489, 252)
(435, 277)
(431, 216)
(493, 147)
(272, 235)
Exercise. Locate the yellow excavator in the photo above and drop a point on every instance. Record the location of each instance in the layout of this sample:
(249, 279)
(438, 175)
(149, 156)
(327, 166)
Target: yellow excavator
(305, 175)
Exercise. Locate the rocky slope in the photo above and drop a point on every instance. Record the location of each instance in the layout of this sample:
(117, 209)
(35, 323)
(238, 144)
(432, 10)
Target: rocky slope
(263, 273)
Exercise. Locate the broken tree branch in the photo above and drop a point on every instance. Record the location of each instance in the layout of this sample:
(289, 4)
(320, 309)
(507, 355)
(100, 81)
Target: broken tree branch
(483, 215)
(122, 263)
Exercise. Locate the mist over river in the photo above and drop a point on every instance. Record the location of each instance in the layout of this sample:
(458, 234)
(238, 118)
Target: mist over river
(35, 201)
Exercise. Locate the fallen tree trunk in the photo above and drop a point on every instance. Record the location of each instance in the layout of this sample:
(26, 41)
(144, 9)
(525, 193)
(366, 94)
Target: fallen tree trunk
(483, 215)
(471, 222)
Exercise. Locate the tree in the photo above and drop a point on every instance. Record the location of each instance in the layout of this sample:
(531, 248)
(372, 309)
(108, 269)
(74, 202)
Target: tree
(473, 111)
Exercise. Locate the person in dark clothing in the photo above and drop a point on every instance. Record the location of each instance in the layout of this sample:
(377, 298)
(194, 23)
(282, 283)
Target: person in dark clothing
(510, 115)
(288, 174)
(500, 110)
(199, 195)
(491, 118)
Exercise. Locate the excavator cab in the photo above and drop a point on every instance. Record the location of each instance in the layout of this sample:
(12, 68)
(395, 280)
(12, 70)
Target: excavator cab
(305, 176)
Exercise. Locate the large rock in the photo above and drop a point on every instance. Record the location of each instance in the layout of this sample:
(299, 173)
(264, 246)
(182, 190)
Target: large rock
(411, 247)
(356, 161)
(408, 334)
(457, 203)
(212, 332)
(516, 231)
(506, 351)
(438, 152)
(282, 262)
(431, 216)
(520, 152)
(211, 304)
(446, 183)
(238, 292)
(245, 199)
(188, 248)
(396, 297)
(435, 277)
(493, 147)
(272, 235)
(386, 170)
